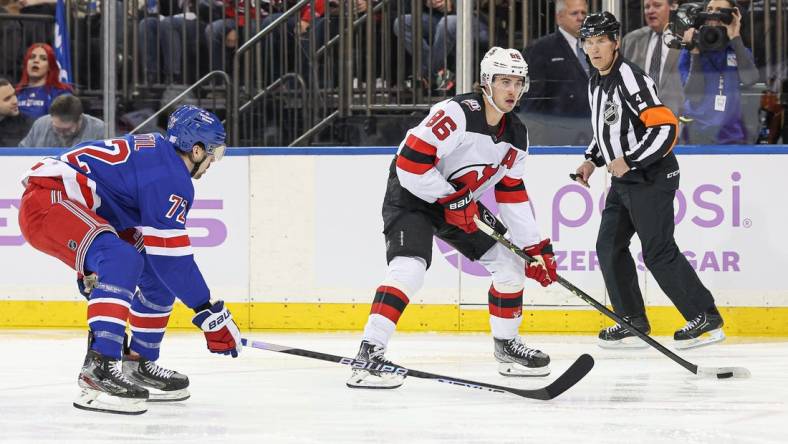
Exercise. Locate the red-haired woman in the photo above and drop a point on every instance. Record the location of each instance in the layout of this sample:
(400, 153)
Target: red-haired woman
(40, 83)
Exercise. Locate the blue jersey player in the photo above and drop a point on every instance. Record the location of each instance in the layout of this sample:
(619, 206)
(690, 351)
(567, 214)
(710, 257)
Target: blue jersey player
(115, 211)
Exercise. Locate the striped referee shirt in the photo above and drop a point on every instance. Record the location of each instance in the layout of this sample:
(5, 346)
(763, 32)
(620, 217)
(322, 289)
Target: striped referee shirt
(628, 118)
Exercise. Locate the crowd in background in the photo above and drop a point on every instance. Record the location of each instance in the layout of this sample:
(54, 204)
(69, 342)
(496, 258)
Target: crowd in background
(175, 42)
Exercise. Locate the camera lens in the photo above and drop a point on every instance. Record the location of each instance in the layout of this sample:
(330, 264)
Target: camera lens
(712, 38)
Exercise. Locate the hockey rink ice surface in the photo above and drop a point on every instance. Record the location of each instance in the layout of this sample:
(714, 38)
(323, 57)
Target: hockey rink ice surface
(265, 397)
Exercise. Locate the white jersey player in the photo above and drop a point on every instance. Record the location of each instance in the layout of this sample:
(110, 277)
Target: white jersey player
(465, 146)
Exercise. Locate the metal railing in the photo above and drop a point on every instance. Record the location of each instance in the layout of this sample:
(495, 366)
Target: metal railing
(235, 102)
(291, 88)
(168, 106)
(17, 33)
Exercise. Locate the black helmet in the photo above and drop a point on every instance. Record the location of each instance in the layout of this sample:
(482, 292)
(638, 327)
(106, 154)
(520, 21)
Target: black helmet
(598, 24)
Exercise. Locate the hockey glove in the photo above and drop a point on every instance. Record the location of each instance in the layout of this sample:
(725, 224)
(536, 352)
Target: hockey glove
(459, 208)
(220, 330)
(543, 269)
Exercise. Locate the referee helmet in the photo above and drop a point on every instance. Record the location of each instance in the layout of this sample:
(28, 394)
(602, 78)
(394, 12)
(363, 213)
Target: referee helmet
(600, 23)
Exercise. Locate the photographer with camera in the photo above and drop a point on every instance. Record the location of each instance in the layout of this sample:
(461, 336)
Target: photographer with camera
(714, 64)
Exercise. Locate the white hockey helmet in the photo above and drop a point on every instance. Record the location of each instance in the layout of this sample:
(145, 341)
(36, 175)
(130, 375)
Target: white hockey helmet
(503, 61)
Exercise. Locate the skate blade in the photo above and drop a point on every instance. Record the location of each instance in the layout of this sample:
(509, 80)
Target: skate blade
(172, 396)
(518, 370)
(632, 342)
(97, 401)
(708, 338)
(361, 379)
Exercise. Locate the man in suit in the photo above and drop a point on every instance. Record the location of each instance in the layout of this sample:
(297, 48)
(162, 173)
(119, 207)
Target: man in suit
(558, 72)
(646, 48)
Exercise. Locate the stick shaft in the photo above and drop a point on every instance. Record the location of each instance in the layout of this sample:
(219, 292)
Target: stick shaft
(576, 372)
(591, 301)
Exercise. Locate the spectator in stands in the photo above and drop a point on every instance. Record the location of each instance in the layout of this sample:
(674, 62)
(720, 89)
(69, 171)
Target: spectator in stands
(712, 79)
(65, 126)
(10, 40)
(162, 33)
(439, 36)
(13, 124)
(37, 31)
(40, 83)
(559, 71)
(296, 28)
(223, 35)
(646, 48)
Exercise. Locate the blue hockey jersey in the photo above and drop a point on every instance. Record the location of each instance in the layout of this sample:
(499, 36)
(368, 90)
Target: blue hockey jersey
(137, 181)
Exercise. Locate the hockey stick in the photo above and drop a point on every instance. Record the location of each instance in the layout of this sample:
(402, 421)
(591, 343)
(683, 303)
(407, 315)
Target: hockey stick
(570, 377)
(719, 372)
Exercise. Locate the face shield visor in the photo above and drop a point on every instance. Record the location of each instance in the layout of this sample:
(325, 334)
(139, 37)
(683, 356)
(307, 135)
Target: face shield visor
(217, 151)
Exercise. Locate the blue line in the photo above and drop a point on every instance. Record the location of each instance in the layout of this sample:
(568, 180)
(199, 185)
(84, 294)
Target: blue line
(389, 150)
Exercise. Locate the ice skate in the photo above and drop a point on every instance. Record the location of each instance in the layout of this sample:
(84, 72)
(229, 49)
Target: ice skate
(704, 329)
(516, 359)
(106, 389)
(163, 384)
(370, 377)
(620, 336)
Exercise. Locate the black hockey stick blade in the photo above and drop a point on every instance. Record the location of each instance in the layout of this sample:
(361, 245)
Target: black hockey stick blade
(718, 372)
(570, 377)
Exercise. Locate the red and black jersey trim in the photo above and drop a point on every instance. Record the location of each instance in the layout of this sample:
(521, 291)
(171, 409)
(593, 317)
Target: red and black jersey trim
(505, 305)
(417, 156)
(510, 190)
(389, 302)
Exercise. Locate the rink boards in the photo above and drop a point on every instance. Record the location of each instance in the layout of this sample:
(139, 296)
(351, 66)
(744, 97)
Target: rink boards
(292, 238)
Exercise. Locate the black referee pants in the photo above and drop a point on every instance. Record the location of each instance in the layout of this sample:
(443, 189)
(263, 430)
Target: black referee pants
(646, 209)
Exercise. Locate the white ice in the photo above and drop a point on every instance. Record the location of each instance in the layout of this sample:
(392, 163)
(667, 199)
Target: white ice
(266, 397)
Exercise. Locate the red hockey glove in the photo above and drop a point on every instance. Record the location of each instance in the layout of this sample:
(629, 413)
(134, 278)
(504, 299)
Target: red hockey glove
(221, 333)
(459, 208)
(543, 269)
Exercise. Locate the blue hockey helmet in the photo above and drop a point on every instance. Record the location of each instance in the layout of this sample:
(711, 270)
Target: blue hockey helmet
(190, 125)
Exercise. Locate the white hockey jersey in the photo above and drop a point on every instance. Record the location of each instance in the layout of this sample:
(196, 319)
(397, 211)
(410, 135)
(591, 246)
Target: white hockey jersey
(453, 147)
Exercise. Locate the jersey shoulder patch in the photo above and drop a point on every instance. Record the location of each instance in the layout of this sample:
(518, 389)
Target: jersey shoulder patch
(473, 109)
(472, 104)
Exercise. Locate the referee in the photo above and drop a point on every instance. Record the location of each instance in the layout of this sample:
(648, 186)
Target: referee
(634, 135)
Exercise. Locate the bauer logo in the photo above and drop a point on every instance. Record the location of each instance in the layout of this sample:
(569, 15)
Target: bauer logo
(366, 365)
(223, 317)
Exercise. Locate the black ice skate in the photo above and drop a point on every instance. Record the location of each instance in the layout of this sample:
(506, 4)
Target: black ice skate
(620, 336)
(370, 376)
(164, 385)
(516, 359)
(106, 389)
(704, 329)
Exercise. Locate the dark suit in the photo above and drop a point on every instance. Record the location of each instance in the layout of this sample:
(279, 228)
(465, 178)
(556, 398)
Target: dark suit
(634, 47)
(13, 129)
(558, 96)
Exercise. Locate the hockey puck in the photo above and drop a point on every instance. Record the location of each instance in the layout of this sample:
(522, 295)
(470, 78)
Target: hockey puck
(725, 375)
